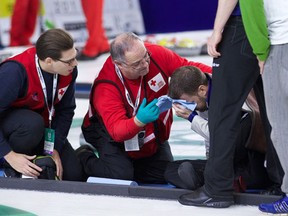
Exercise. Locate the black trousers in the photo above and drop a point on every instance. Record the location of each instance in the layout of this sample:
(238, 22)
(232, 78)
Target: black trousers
(113, 161)
(234, 75)
(24, 131)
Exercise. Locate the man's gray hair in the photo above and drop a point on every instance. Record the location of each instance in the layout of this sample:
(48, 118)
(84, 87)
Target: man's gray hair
(121, 44)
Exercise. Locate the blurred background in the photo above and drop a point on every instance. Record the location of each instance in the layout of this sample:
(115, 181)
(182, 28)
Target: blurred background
(139, 16)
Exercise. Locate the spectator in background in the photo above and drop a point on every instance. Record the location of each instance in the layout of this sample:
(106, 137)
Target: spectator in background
(23, 22)
(97, 42)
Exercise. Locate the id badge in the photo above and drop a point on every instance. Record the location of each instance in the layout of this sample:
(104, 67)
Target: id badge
(132, 144)
(49, 141)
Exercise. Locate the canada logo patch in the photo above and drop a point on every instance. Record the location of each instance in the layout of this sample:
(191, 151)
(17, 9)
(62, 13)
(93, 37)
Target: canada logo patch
(61, 92)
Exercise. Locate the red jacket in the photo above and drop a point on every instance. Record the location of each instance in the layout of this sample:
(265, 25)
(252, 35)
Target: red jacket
(108, 101)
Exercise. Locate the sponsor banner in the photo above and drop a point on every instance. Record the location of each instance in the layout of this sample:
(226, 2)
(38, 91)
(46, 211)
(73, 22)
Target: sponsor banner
(119, 16)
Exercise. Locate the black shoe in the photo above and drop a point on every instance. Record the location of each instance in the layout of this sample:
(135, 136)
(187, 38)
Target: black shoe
(84, 153)
(9, 172)
(84, 149)
(273, 190)
(48, 166)
(189, 176)
(200, 197)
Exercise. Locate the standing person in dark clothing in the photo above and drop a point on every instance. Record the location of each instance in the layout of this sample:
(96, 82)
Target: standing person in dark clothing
(37, 106)
(235, 72)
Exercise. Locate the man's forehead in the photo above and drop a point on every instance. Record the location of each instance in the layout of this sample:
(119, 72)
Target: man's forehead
(136, 53)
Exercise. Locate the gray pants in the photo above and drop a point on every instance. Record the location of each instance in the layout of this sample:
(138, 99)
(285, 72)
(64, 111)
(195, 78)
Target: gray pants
(275, 78)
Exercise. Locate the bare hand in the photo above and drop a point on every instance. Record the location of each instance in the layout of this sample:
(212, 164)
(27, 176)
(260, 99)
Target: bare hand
(181, 111)
(22, 164)
(261, 66)
(59, 168)
(212, 44)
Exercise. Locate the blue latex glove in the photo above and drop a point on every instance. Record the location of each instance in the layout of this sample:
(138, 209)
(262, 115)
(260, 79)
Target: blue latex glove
(148, 113)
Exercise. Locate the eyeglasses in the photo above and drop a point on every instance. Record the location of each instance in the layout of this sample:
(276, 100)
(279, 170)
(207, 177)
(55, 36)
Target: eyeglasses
(137, 65)
(70, 61)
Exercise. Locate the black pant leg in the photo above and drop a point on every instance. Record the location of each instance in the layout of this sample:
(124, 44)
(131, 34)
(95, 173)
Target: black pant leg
(241, 153)
(172, 172)
(249, 164)
(24, 131)
(72, 168)
(234, 74)
(255, 175)
(152, 169)
(112, 161)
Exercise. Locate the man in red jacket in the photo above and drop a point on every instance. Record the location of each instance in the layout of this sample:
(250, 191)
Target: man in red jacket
(37, 106)
(123, 122)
